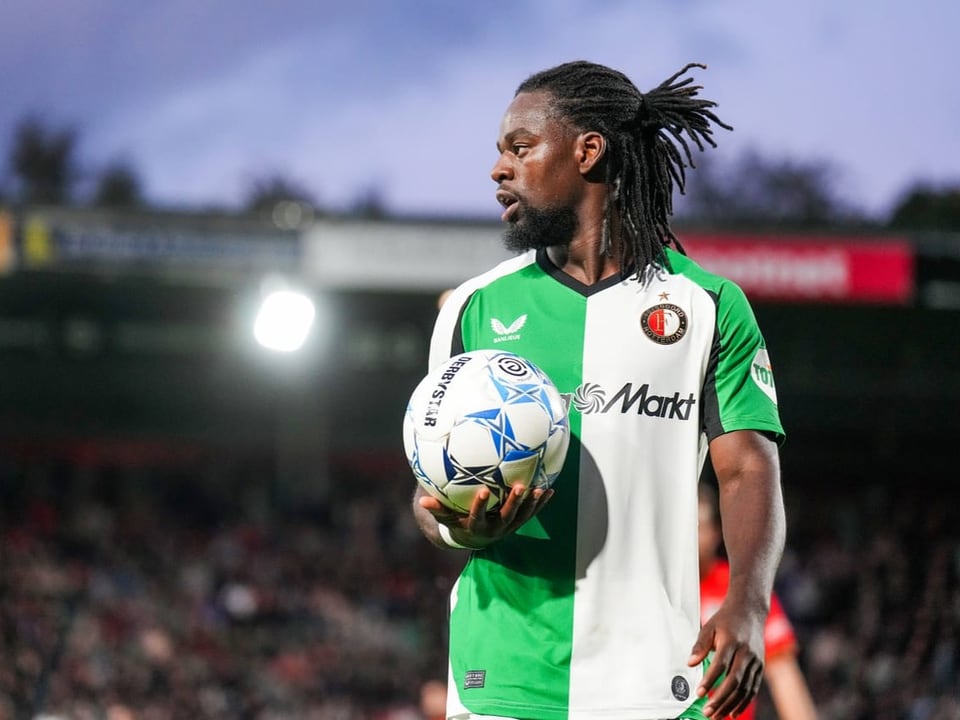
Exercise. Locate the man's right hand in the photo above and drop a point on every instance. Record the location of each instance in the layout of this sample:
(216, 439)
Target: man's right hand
(478, 528)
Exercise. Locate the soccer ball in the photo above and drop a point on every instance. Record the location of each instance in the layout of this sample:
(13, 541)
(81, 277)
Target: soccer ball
(485, 418)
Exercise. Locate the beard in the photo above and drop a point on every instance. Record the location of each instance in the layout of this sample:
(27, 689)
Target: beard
(540, 228)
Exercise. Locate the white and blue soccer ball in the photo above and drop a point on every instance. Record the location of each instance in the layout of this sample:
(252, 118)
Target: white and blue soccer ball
(485, 418)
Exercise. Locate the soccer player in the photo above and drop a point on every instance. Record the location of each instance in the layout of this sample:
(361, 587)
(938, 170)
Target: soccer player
(788, 688)
(582, 601)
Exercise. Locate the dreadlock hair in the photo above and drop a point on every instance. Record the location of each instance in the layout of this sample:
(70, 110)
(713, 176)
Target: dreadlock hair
(645, 137)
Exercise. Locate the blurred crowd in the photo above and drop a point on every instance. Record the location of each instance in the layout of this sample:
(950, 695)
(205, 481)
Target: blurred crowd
(149, 596)
(152, 598)
(872, 584)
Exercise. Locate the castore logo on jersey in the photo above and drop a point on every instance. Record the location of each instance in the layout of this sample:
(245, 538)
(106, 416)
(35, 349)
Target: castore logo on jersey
(507, 332)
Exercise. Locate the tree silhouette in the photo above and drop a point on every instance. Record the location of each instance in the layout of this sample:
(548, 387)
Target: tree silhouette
(924, 207)
(265, 193)
(759, 190)
(43, 163)
(118, 186)
(369, 203)
(285, 202)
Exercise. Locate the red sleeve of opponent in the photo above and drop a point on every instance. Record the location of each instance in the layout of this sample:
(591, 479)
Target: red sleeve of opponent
(778, 634)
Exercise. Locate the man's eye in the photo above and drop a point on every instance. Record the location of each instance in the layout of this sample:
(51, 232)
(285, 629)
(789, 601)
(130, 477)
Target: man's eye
(517, 148)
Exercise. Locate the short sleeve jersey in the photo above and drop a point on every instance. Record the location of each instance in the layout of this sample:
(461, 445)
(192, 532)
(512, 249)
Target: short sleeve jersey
(778, 634)
(591, 608)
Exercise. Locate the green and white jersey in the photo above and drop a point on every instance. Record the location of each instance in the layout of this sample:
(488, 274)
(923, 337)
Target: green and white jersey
(590, 610)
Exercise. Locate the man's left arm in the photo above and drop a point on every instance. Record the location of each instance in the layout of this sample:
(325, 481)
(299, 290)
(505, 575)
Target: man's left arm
(747, 467)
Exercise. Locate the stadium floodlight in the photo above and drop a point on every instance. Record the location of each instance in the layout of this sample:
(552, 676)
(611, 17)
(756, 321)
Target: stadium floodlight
(284, 320)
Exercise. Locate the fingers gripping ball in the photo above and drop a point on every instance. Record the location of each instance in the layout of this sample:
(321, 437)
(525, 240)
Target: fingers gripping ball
(485, 418)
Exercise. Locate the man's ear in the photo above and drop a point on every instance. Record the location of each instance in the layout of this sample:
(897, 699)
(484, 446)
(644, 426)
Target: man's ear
(591, 147)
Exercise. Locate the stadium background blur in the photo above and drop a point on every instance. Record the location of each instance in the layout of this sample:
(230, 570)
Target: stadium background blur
(195, 527)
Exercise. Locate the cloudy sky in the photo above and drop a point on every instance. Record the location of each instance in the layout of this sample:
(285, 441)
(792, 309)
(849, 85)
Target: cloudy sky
(205, 97)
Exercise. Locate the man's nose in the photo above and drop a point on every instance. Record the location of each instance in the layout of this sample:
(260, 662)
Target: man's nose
(501, 171)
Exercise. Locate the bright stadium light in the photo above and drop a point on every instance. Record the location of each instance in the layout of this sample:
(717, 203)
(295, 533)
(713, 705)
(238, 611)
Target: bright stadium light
(284, 320)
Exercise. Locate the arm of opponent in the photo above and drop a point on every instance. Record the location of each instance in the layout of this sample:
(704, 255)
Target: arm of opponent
(788, 688)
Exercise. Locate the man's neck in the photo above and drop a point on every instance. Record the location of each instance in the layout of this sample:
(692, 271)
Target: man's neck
(583, 261)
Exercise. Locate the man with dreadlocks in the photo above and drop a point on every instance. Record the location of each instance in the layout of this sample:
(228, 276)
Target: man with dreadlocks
(587, 606)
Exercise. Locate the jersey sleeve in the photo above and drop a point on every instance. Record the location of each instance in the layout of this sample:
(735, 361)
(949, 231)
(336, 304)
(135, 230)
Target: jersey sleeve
(447, 338)
(740, 387)
(778, 634)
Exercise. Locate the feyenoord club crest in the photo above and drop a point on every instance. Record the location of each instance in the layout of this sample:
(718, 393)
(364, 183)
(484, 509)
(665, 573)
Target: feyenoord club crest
(665, 323)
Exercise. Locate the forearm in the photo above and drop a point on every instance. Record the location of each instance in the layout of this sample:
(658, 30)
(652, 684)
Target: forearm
(427, 522)
(448, 536)
(788, 689)
(751, 507)
(754, 542)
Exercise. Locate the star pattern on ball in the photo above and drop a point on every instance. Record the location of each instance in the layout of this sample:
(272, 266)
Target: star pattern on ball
(418, 470)
(497, 423)
(463, 474)
(522, 392)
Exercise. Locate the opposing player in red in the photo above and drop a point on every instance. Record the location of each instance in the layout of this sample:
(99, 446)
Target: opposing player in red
(782, 673)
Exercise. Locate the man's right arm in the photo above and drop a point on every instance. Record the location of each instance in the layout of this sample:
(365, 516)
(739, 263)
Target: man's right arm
(426, 521)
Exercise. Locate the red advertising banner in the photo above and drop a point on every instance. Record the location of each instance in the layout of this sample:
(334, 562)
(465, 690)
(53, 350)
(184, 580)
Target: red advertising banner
(814, 268)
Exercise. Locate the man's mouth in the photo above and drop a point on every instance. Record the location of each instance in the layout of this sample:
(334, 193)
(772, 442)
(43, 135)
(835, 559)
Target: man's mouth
(510, 203)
